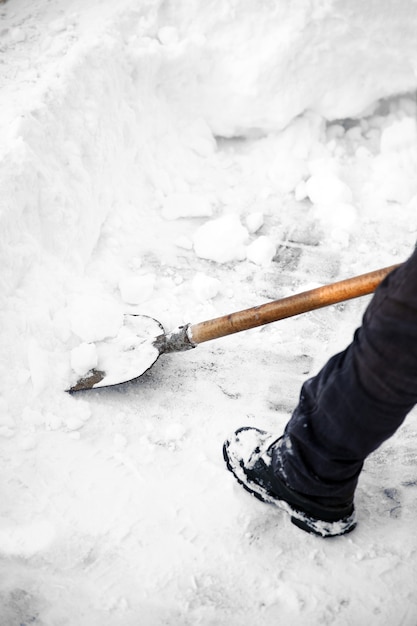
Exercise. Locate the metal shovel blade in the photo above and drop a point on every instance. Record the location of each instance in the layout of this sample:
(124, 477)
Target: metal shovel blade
(127, 356)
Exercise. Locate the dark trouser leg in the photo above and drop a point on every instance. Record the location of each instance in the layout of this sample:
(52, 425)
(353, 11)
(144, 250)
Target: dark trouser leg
(360, 397)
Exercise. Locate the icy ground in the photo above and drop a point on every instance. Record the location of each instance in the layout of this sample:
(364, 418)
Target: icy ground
(117, 196)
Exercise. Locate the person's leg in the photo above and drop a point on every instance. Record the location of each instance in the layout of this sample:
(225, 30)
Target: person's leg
(360, 397)
(357, 401)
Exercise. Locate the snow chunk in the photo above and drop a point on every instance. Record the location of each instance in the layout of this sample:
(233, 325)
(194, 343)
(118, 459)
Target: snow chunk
(186, 205)
(221, 240)
(399, 136)
(261, 251)
(84, 358)
(137, 289)
(205, 287)
(94, 318)
(322, 189)
(254, 221)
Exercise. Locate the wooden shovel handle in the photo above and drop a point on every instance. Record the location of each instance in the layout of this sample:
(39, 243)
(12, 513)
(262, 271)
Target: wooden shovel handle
(287, 307)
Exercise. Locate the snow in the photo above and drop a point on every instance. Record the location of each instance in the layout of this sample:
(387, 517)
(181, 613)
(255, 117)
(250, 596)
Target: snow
(137, 288)
(261, 250)
(95, 318)
(186, 205)
(205, 287)
(121, 358)
(183, 161)
(254, 221)
(221, 240)
(84, 358)
(322, 189)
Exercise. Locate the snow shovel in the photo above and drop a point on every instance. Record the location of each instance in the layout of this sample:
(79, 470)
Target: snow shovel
(142, 339)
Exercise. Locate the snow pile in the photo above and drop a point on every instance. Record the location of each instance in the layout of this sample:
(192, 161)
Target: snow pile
(182, 161)
(261, 66)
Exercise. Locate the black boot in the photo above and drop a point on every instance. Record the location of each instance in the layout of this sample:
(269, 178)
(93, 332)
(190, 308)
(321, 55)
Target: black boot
(248, 456)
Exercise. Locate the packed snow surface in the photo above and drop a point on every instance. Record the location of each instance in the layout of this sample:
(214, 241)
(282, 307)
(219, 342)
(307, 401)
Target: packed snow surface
(184, 160)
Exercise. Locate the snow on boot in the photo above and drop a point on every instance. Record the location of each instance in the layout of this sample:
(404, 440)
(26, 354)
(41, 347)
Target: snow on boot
(248, 455)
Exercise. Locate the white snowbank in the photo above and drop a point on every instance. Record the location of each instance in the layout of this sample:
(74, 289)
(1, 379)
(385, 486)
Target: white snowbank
(65, 168)
(261, 66)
